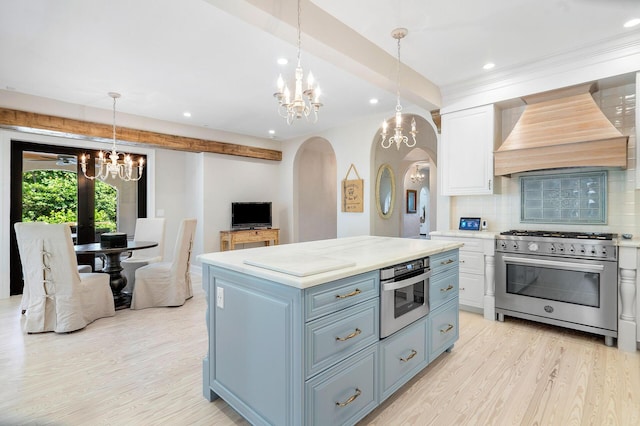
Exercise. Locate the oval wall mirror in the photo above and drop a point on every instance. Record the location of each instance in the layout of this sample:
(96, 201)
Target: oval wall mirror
(385, 191)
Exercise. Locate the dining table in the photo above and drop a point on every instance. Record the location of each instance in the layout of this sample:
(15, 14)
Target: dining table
(113, 267)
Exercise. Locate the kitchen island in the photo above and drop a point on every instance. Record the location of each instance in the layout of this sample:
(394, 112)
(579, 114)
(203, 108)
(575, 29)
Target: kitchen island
(294, 329)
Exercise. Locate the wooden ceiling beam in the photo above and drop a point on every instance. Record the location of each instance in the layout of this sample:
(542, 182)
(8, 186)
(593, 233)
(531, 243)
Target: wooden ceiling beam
(30, 122)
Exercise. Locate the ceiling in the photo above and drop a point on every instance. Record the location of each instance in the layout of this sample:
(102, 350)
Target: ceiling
(217, 58)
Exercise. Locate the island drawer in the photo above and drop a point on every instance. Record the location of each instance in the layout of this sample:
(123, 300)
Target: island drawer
(443, 262)
(402, 356)
(443, 328)
(343, 394)
(330, 339)
(443, 288)
(325, 299)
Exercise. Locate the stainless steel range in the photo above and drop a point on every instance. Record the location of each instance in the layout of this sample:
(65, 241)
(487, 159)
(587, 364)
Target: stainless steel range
(568, 279)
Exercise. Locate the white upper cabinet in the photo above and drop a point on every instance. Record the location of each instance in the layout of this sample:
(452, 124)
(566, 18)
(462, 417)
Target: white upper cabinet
(466, 152)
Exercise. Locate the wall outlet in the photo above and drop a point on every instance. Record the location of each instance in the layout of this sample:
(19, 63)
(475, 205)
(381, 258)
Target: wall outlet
(220, 297)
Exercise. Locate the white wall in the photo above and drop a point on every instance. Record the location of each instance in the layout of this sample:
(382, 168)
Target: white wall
(316, 216)
(351, 144)
(226, 179)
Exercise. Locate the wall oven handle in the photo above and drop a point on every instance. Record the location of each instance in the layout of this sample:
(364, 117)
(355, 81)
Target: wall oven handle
(553, 263)
(394, 285)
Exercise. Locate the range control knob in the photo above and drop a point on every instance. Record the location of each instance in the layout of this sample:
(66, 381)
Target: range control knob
(552, 248)
(571, 249)
(515, 246)
(503, 244)
(561, 249)
(533, 246)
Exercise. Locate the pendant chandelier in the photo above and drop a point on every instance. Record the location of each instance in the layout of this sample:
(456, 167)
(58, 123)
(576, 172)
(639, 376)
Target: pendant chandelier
(304, 102)
(417, 177)
(398, 137)
(113, 167)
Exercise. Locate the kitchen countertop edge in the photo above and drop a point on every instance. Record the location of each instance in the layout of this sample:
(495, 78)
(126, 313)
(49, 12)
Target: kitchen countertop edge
(487, 235)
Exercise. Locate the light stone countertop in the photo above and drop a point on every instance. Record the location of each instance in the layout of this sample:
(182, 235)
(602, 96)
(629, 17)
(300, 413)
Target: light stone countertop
(633, 242)
(304, 265)
(488, 235)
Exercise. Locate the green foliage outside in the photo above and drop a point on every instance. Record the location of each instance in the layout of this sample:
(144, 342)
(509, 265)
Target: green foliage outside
(52, 196)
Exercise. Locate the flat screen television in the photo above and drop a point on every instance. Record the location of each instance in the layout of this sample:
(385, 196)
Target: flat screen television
(250, 215)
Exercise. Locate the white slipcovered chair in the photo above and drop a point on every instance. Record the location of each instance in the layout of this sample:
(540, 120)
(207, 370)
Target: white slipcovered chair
(58, 297)
(167, 283)
(147, 229)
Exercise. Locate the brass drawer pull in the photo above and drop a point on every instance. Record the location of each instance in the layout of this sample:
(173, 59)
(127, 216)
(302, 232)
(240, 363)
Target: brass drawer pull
(350, 400)
(446, 262)
(446, 330)
(351, 336)
(413, 353)
(353, 293)
(450, 287)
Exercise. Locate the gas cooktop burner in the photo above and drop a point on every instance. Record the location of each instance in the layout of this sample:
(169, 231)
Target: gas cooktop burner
(560, 234)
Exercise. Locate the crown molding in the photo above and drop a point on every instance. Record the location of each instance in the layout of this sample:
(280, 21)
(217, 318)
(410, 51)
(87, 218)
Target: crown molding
(616, 56)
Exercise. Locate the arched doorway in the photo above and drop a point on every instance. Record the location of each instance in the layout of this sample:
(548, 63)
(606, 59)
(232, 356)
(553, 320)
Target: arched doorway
(403, 161)
(315, 184)
(417, 222)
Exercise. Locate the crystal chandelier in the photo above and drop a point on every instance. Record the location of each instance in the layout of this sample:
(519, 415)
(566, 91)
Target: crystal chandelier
(398, 138)
(113, 166)
(303, 102)
(417, 177)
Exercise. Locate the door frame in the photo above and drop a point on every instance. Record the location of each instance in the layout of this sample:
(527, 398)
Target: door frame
(86, 201)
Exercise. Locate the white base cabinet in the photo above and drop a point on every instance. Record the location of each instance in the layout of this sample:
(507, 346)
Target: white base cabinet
(476, 268)
(286, 356)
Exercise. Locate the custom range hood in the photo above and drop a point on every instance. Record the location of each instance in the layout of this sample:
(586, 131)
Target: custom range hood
(561, 128)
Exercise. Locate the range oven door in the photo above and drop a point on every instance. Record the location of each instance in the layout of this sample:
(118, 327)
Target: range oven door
(579, 291)
(403, 300)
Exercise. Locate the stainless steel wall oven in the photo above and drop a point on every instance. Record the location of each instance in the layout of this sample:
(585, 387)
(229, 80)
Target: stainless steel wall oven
(404, 295)
(565, 279)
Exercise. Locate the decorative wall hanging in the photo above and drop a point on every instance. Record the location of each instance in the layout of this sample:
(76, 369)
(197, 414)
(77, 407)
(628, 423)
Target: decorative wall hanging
(412, 196)
(352, 193)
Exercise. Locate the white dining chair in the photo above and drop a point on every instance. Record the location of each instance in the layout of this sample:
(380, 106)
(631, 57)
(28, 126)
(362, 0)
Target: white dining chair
(167, 283)
(58, 297)
(147, 229)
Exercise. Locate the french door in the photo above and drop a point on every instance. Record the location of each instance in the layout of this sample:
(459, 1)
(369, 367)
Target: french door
(47, 184)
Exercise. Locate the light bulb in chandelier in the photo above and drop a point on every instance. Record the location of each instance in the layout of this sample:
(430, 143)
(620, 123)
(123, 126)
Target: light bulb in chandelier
(417, 177)
(113, 167)
(305, 103)
(398, 137)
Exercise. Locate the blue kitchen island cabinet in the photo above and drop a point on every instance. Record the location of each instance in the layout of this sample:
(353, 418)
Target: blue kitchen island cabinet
(295, 341)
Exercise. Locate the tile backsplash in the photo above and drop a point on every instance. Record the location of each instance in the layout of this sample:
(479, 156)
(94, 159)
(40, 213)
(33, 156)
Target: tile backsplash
(503, 210)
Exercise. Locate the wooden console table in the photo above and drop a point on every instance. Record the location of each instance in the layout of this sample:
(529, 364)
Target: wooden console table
(229, 239)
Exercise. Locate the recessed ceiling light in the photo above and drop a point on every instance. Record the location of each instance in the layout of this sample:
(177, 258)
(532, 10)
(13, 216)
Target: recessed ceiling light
(373, 101)
(632, 23)
(488, 65)
(186, 114)
(283, 61)
(272, 132)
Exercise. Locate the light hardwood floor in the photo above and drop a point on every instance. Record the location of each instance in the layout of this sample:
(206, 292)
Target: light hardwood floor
(145, 368)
